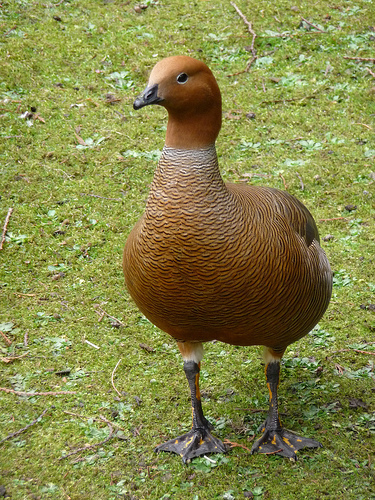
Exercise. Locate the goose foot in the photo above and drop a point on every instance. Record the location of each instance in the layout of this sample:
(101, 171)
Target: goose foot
(193, 444)
(282, 442)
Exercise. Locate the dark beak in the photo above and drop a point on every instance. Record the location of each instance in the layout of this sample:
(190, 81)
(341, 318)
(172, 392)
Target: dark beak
(148, 96)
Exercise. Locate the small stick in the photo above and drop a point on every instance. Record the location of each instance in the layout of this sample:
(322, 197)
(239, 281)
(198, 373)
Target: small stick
(301, 181)
(109, 316)
(22, 393)
(362, 352)
(253, 410)
(113, 373)
(290, 100)
(313, 25)
(371, 59)
(95, 103)
(11, 29)
(254, 35)
(263, 86)
(364, 125)
(14, 434)
(38, 117)
(8, 341)
(93, 418)
(339, 368)
(92, 345)
(5, 227)
(25, 339)
(273, 452)
(371, 72)
(24, 294)
(92, 446)
(355, 350)
(234, 445)
(333, 218)
(14, 358)
(285, 184)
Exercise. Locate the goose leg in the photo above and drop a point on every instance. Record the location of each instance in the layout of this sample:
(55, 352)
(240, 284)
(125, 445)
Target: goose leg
(276, 439)
(199, 440)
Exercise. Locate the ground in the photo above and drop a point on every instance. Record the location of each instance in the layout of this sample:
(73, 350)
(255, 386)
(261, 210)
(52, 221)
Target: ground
(76, 164)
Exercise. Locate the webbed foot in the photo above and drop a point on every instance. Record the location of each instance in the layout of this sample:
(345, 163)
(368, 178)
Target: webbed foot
(275, 439)
(282, 442)
(193, 444)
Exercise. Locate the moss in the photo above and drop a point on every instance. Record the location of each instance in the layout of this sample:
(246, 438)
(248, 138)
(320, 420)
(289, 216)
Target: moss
(73, 208)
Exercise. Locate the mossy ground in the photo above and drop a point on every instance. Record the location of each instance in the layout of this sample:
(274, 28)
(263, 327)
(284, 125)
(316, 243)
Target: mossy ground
(77, 174)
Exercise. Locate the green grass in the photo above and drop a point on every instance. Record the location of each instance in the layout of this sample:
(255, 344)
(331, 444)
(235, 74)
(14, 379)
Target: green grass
(75, 203)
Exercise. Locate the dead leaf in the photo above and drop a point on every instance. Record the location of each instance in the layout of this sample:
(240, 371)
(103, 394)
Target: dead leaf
(356, 403)
(80, 140)
(147, 347)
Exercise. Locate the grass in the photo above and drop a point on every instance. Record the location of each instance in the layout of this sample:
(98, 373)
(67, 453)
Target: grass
(76, 164)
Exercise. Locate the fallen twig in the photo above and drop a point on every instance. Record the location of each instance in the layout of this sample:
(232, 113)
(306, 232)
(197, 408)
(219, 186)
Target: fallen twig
(10, 359)
(14, 434)
(364, 125)
(40, 118)
(355, 350)
(11, 29)
(103, 312)
(313, 25)
(264, 86)
(94, 418)
(23, 393)
(235, 445)
(95, 103)
(113, 373)
(254, 35)
(273, 452)
(5, 227)
(301, 181)
(371, 72)
(333, 218)
(362, 352)
(339, 368)
(92, 345)
(92, 446)
(285, 184)
(8, 341)
(275, 101)
(371, 59)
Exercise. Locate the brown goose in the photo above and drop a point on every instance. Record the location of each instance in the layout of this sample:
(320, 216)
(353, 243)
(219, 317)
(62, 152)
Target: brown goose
(208, 260)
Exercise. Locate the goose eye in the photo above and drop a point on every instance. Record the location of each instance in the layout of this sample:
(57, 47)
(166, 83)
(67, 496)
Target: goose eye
(182, 78)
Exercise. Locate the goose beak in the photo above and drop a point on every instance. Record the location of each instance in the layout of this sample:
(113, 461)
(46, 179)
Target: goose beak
(148, 96)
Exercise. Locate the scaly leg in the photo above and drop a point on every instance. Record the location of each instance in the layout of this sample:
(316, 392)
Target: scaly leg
(199, 440)
(276, 439)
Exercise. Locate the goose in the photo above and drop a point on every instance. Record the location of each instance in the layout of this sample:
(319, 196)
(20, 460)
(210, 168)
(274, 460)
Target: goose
(210, 260)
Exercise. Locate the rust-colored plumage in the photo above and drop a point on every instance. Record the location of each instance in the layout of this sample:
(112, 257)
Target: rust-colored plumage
(215, 261)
